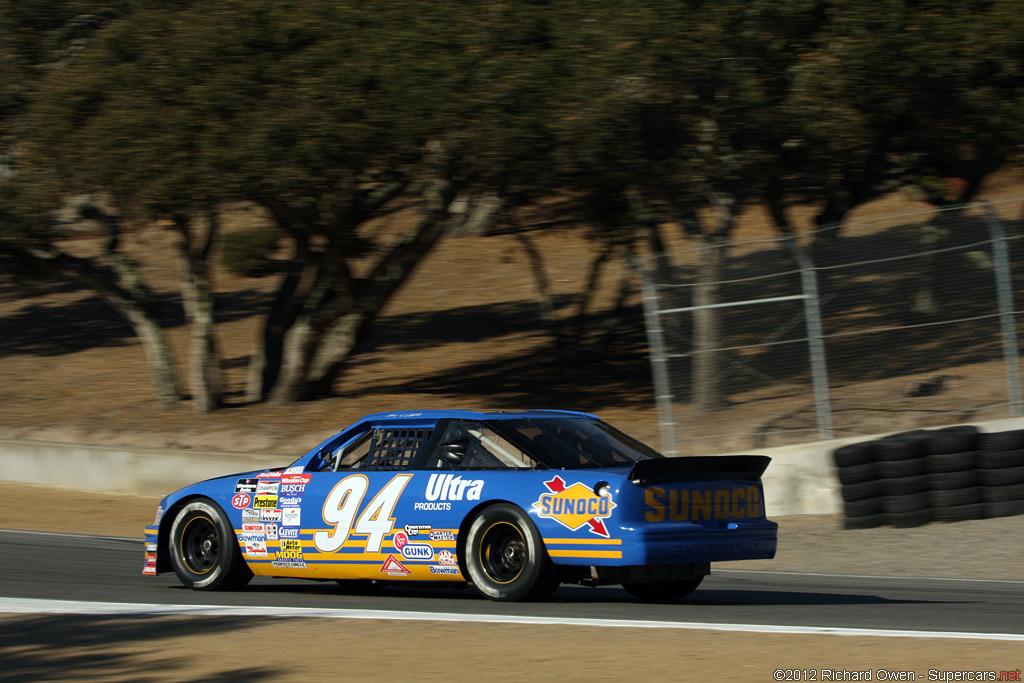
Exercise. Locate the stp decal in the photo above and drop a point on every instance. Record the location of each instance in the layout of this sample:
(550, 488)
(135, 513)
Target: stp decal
(575, 506)
(240, 501)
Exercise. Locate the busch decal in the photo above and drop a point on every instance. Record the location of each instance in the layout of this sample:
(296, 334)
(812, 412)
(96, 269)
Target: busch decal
(575, 506)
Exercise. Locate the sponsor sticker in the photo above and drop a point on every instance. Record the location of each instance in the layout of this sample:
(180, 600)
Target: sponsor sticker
(270, 474)
(240, 501)
(267, 488)
(292, 489)
(294, 469)
(392, 567)
(441, 536)
(253, 528)
(414, 529)
(151, 547)
(291, 549)
(288, 532)
(252, 538)
(250, 515)
(296, 479)
(291, 516)
(246, 485)
(435, 569)
(265, 502)
(149, 570)
(270, 515)
(288, 564)
(575, 506)
(417, 551)
(400, 539)
(290, 501)
(447, 557)
(256, 549)
(271, 532)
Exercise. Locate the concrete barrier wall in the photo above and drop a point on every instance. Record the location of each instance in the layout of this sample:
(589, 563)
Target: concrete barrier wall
(801, 479)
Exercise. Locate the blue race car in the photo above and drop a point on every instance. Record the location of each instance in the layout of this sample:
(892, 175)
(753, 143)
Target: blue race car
(513, 502)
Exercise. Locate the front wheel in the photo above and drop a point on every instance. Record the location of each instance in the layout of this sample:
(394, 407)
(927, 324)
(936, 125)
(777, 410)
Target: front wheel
(663, 591)
(505, 556)
(204, 549)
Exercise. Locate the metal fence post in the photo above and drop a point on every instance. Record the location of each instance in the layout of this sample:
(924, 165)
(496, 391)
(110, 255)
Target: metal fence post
(659, 362)
(815, 340)
(1007, 320)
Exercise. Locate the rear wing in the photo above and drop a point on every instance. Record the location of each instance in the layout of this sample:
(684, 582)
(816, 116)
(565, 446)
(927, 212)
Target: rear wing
(700, 468)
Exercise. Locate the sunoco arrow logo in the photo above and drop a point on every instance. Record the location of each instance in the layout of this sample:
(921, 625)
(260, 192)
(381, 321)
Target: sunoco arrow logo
(575, 506)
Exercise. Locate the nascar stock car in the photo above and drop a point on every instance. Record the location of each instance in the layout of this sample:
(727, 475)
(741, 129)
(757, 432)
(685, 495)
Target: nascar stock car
(513, 502)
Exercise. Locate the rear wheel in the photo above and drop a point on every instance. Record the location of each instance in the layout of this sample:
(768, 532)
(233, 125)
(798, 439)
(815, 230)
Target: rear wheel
(204, 549)
(663, 591)
(505, 556)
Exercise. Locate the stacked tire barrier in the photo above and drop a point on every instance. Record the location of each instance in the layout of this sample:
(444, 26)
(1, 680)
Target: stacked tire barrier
(943, 475)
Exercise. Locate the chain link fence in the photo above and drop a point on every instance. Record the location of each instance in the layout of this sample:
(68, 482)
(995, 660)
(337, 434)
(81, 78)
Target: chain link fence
(885, 324)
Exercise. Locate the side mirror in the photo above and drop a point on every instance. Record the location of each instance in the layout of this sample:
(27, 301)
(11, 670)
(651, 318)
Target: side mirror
(453, 452)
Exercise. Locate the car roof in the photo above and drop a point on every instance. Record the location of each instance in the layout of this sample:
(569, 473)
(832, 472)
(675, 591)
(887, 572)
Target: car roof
(425, 415)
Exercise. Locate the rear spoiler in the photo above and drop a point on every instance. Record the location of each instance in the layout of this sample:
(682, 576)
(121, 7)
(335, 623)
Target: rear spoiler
(700, 468)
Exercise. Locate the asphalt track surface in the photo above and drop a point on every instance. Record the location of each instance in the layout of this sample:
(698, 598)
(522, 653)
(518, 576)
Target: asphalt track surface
(41, 566)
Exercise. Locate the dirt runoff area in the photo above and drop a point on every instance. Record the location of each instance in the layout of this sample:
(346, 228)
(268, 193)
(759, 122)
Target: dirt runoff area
(215, 648)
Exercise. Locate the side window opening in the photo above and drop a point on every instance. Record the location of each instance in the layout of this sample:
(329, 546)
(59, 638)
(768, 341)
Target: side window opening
(379, 449)
(484, 449)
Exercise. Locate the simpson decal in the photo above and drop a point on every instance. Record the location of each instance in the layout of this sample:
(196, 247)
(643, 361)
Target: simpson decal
(575, 506)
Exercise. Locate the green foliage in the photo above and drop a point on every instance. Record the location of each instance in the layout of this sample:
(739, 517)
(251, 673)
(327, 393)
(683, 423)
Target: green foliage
(248, 251)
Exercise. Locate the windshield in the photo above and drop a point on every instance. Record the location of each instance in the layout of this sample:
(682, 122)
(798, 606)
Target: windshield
(575, 442)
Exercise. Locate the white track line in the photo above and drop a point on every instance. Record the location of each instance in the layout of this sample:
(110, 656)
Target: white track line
(25, 606)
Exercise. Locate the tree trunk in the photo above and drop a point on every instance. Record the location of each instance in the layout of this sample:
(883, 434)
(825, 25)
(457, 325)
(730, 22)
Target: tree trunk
(197, 296)
(708, 386)
(131, 301)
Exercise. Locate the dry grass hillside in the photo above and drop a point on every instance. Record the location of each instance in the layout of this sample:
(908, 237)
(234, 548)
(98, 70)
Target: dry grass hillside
(464, 331)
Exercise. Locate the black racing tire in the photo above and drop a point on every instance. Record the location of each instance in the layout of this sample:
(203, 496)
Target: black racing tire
(957, 439)
(952, 462)
(865, 489)
(903, 446)
(204, 549)
(862, 508)
(955, 497)
(1006, 508)
(857, 474)
(1001, 441)
(663, 591)
(1000, 494)
(854, 455)
(945, 481)
(897, 469)
(959, 513)
(1001, 459)
(505, 556)
(1001, 477)
(865, 522)
(903, 485)
(906, 520)
(910, 502)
